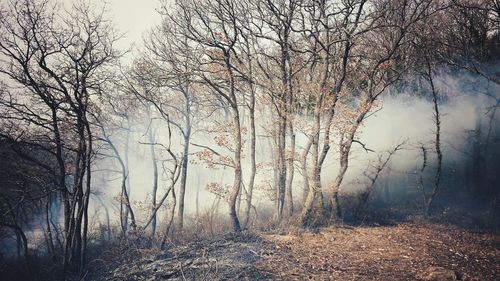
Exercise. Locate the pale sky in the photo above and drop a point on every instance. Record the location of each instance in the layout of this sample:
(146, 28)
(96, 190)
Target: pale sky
(134, 18)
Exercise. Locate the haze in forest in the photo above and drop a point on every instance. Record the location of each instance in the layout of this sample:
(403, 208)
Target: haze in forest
(131, 127)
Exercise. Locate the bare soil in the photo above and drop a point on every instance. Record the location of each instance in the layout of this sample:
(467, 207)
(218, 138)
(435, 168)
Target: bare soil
(401, 252)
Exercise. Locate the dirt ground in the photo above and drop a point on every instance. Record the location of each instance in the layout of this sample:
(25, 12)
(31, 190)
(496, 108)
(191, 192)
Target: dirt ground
(401, 252)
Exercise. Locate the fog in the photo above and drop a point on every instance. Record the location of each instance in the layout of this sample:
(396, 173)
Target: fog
(401, 116)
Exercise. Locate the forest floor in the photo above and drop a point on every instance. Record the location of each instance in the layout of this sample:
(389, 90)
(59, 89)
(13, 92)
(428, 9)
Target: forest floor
(406, 251)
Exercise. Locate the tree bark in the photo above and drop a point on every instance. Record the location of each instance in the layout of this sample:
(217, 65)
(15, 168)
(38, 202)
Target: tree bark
(184, 166)
(155, 180)
(437, 141)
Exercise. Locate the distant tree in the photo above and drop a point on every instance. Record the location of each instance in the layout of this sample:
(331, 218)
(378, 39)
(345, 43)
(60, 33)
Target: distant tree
(168, 58)
(211, 28)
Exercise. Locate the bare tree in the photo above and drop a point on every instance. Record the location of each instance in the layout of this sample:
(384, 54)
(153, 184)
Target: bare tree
(212, 27)
(60, 63)
(169, 63)
(437, 141)
(373, 176)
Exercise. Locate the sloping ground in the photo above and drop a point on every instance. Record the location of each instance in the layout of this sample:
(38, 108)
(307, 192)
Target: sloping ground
(226, 258)
(402, 252)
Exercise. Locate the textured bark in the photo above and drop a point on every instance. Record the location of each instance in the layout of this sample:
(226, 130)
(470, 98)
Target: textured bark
(253, 164)
(235, 191)
(184, 170)
(237, 172)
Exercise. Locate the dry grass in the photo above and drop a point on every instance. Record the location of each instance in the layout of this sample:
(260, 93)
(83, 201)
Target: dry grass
(415, 251)
(402, 252)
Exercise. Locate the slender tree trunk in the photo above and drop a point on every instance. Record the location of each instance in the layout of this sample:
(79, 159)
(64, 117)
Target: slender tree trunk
(290, 172)
(421, 176)
(64, 189)
(88, 181)
(184, 171)
(123, 205)
(127, 179)
(124, 197)
(276, 172)
(437, 142)
(155, 180)
(169, 219)
(478, 163)
(345, 150)
(126, 200)
(253, 164)
(281, 147)
(237, 171)
(185, 156)
(22, 245)
(312, 146)
(50, 239)
(285, 112)
(233, 194)
(373, 180)
(74, 248)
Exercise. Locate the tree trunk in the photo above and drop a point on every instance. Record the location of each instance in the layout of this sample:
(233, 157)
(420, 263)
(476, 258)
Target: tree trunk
(50, 239)
(281, 147)
(437, 142)
(290, 173)
(155, 180)
(345, 150)
(233, 194)
(127, 180)
(253, 164)
(237, 171)
(184, 170)
(305, 216)
(88, 181)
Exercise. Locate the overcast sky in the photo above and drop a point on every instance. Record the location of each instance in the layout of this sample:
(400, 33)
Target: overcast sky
(134, 18)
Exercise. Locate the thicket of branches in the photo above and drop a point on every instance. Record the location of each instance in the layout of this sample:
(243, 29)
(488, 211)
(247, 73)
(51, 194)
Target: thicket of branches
(240, 72)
